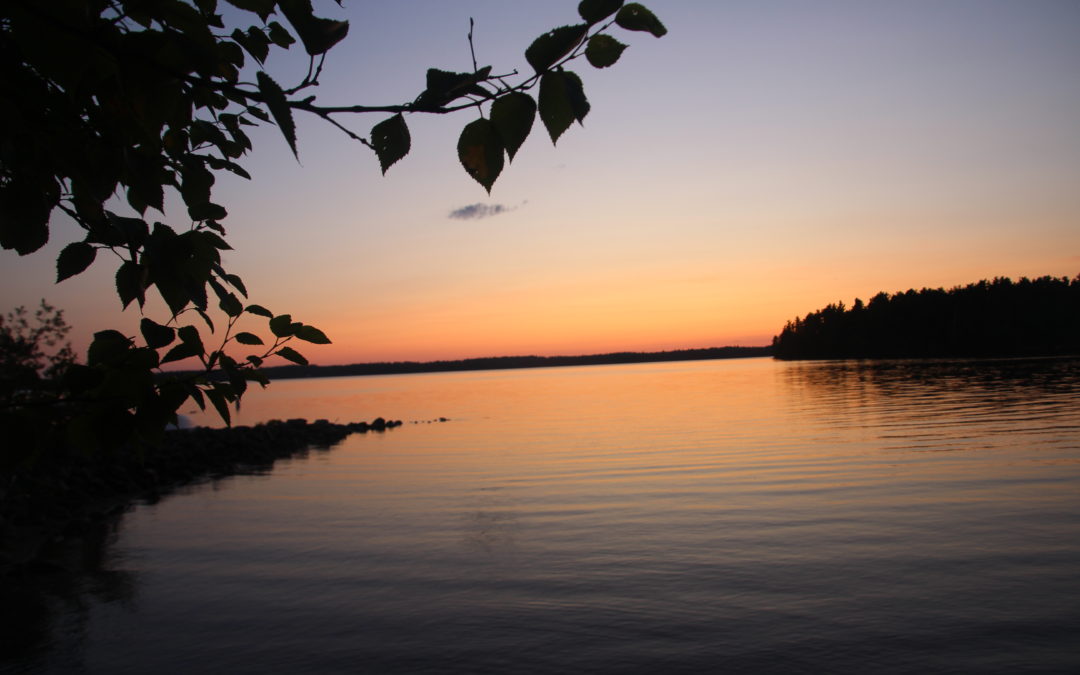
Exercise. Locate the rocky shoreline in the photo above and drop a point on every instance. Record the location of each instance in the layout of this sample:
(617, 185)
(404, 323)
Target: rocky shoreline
(46, 507)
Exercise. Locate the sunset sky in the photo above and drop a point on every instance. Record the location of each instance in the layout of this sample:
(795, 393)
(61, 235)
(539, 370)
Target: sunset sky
(763, 159)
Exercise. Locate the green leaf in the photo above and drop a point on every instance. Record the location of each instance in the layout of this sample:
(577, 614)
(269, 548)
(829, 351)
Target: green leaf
(156, 335)
(313, 335)
(275, 100)
(74, 259)
(547, 49)
(603, 50)
(391, 141)
(637, 17)
(595, 11)
(281, 325)
(291, 354)
(480, 151)
(248, 339)
(513, 116)
(562, 100)
(259, 310)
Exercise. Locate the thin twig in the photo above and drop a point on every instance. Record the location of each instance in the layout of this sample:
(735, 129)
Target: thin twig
(472, 50)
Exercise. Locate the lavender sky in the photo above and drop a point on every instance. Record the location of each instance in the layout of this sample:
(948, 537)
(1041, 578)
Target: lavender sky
(763, 159)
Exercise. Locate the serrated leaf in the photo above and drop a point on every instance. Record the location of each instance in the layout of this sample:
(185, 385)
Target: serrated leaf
(444, 86)
(259, 310)
(547, 49)
(108, 346)
(25, 225)
(248, 339)
(156, 335)
(231, 305)
(190, 336)
(254, 41)
(74, 259)
(562, 100)
(207, 211)
(217, 398)
(134, 230)
(129, 283)
(603, 50)
(576, 91)
(313, 335)
(281, 325)
(215, 240)
(256, 376)
(636, 16)
(236, 283)
(228, 302)
(480, 151)
(180, 352)
(206, 319)
(391, 141)
(317, 34)
(278, 105)
(280, 36)
(292, 355)
(513, 116)
(595, 11)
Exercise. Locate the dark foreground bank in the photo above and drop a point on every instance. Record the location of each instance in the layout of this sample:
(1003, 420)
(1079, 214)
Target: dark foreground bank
(47, 507)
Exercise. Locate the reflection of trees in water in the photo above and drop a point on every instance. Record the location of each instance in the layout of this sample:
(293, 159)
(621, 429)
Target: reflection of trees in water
(933, 393)
(51, 604)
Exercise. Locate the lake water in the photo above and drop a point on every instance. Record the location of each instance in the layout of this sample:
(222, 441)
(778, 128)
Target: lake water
(715, 516)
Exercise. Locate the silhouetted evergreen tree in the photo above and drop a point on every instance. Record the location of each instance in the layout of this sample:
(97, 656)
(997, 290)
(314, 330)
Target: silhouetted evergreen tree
(1029, 317)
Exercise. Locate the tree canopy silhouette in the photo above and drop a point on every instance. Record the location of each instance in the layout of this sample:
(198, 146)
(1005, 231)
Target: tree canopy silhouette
(111, 104)
(1029, 317)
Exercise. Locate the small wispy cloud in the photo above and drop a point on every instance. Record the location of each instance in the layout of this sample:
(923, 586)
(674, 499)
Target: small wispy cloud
(478, 211)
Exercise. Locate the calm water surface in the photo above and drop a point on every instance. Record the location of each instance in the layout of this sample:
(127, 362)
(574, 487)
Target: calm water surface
(718, 516)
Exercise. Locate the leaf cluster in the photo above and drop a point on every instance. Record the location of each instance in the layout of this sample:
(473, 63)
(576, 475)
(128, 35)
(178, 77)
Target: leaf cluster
(116, 103)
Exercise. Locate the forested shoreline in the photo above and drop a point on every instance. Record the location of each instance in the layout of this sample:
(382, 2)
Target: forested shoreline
(511, 362)
(1001, 317)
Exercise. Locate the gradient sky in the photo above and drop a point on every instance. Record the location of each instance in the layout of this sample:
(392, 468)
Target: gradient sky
(763, 159)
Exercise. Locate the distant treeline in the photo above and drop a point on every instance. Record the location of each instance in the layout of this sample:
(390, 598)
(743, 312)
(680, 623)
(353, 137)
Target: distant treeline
(506, 362)
(1029, 317)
